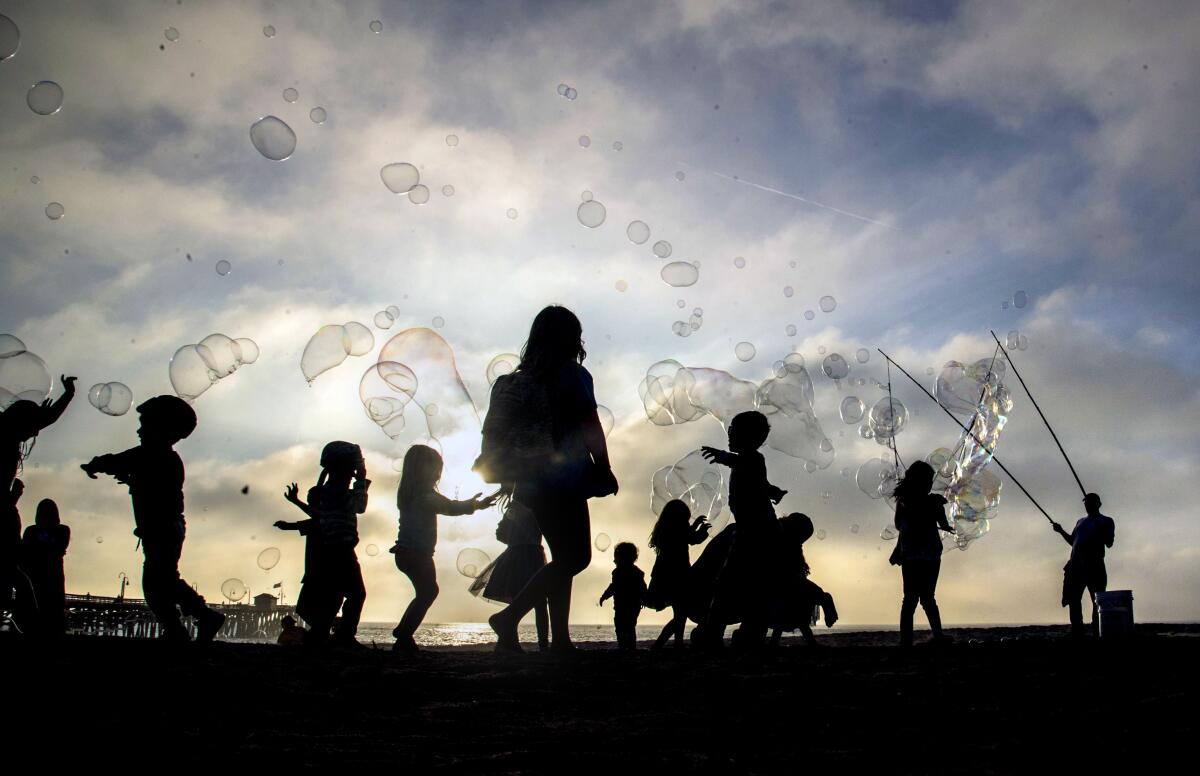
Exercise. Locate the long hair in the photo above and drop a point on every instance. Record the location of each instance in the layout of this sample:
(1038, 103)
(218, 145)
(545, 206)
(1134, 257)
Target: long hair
(916, 482)
(671, 524)
(47, 514)
(420, 473)
(556, 337)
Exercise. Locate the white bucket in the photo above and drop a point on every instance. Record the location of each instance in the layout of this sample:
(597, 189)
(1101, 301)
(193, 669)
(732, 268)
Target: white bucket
(1116, 613)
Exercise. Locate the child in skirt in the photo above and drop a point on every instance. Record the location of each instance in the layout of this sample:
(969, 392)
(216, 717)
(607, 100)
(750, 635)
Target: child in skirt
(671, 537)
(507, 575)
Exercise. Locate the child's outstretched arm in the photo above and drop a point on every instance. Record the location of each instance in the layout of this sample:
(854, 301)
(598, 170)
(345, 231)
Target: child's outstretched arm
(452, 508)
(723, 457)
(119, 465)
(607, 594)
(52, 411)
(292, 494)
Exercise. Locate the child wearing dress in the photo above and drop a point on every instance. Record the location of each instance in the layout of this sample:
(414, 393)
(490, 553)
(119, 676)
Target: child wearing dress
(627, 589)
(671, 537)
(508, 574)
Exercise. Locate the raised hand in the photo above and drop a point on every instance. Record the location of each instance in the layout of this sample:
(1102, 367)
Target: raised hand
(68, 383)
(87, 469)
(292, 494)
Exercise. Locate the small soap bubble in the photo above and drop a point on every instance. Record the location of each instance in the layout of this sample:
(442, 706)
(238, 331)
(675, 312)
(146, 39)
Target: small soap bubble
(698, 312)
(10, 38)
(511, 213)
(662, 248)
(680, 303)
(1004, 305)
(680, 175)
(745, 351)
(827, 304)
(35, 179)
(854, 528)
(233, 589)
(638, 232)
(562, 90)
(585, 196)
(438, 322)
(834, 366)
(318, 115)
(739, 262)
(447, 190)
(55, 211)
(44, 98)
(372, 550)
(393, 311)
(572, 93)
(622, 286)
(680, 274)
(584, 141)
(224, 267)
(603, 542)
(290, 94)
(790, 330)
(419, 194)
(820, 534)
(452, 140)
(471, 561)
(821, 349)
(503, 364)
(888, 533)
(269, 558)
(383, 319)
(273, 138)
(591, 213)
(1012, 339)
(399, 177)
(809, 315)
(1020, 299)
(99, 540)
(851, 410)
(269, 31)
(171, 34)
(862, 355)
(376, 26)
(618, 145)
(111, 398)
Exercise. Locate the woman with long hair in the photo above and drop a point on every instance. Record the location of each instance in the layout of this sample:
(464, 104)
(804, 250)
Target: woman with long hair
(920, 514)
(550, 453)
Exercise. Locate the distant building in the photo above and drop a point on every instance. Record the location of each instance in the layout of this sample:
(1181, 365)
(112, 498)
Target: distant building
(265, 601)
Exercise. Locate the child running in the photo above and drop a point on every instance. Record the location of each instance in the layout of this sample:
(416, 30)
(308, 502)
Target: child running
(627, 589)
(508, 574)
(154, 473)
(419, 504)
(799, 597)
(671, 537)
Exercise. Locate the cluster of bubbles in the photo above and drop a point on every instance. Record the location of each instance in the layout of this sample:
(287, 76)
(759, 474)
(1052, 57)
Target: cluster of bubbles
(567, 91)
(385, 390)
(23, 374)
(404, 178)
(685, 328)
(269, 558)
(331, 345)
(695, 482)
(1016, 341)
(417, 365)
(385, 318)
(471, 562)
(111, 398)
(234, 589)
(673, 394)
(196, 368)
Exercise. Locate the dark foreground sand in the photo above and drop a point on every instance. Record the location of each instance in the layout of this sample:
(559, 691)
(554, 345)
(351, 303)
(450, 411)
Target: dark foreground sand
(1000, 700)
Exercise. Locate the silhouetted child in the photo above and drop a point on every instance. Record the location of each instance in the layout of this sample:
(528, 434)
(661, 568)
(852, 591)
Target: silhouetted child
(332, 577)
(1086, 569)
(799, 598)
(291, 634)
(16, 591)
(627, 589)
(745, 584)
(508, 574)
(420, 504)
(42, 550)
(919, 516)
(154, 473)
(671, 537)
(21, 422)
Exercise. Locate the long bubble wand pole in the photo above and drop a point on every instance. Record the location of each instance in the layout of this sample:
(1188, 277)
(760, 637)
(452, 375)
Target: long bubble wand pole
(1049, 428)
(970, 434)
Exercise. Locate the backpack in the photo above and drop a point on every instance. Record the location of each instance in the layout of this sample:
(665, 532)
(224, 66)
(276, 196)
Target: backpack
(518, 431)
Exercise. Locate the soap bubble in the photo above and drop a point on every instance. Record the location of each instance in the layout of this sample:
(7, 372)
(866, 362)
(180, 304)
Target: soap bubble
(1022, 342)
(55, 211)
(788, 291)
(827, 304)
(562, 90)
(621, 285)
(471, 561)
(318, 115)
(290, 94)
(698, 312)
(618, 145)
(511, 213)
(1020, 299)
(591, 214)
(865, 431)
(584, 141)
(787, 401)
(447, 190)
(233, 589)
(959, 386)
(888, 533)
(739, 262)
(372, 550)
(681, 329)
(697, 483)
(383, 319)
(99, 540)
(586, 196)
(851, 410)
(11, 346)
(835, 367)
(273, 138)
(744, 351)
(248, 349)
(268, 558)
(431, 360)
(680, 303)
(269, 31)
(503, 364)
(809, 315)
(862, 355)
(393, 311)
(10, 38)
(376, 26)
(44, 98)
(870, 476)
(680, 274)
(111, 398)
(637, 232)
(888, 417)
(607, 420)
(385, 390)
(419, 194)
(820, 350)
(438, 321)
(171, 34)
(820, 534)
(35, 179)
(399, 177)
(331, 345)
(662, 248)
(23, 375)
(603, 542)
(571, 93)
(223, 267)
(452, 140)
(790, 330)
(854, 528)
(190, 374)
(680, 175)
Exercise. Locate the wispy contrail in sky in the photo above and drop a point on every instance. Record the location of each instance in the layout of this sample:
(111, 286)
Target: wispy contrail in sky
(789, 195)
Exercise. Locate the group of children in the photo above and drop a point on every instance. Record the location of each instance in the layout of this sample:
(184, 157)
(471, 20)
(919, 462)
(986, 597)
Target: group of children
(752, 573)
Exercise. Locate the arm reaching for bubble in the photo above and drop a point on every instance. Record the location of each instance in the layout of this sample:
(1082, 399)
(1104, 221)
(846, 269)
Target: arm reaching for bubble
(722, 457)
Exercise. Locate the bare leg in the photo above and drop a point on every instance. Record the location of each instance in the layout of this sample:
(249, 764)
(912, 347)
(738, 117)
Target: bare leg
(541, 617)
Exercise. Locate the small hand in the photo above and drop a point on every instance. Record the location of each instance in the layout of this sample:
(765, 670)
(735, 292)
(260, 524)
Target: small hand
(710, 453)
(291, 493)
(88, 470)
(1056, 527)
(281, 525)
(68, 383)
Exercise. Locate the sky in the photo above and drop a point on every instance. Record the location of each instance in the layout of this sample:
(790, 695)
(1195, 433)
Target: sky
(918, 162)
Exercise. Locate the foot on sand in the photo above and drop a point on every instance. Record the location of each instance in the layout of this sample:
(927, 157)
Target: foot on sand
(210, 622)
(507, 642)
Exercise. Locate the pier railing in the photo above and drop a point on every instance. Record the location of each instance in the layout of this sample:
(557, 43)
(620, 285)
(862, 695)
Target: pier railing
(131, 617)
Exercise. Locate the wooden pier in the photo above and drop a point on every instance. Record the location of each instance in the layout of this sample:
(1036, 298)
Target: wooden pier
(131, 617)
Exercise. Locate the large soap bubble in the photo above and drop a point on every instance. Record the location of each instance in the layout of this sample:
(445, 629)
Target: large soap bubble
(680, 274)
(399, 177)
(503, 364)
(607, 420)
(234, 589)
(960, 387)
(471, 562)
(697, 483)
(851, 409)
(332, 344)
(871, 474)
(111, 398)
(221, 354)
(268, 558)
(591, 213)
(273, 138)
(44, 98)
(385, 390)
(10, 38)
(195, 368)
(23, 375)
(888, 417)
(637, 232)
(432, 362)
(787, 401)
(835, 367)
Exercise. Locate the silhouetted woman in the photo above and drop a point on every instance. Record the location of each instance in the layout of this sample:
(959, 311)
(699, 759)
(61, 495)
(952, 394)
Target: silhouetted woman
(543, 440)
(42, 550)
(919, 516)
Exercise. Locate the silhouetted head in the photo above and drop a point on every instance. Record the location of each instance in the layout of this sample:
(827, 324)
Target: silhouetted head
(797, 528)
(555, 338)
(625, 554)
(341, 457)
(1091, 503)
(165, 420)
(420, 473)
(288, 622)
(748, 431)
(917, 481)
(22, 418)
(671, 524)
(47, 514)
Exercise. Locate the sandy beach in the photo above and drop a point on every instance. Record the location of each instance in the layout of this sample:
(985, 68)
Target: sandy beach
(999, 700)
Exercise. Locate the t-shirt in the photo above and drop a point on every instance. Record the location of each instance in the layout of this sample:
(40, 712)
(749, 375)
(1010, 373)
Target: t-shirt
(155, 480)
(336, 512)
(750, 492)
(418, 523)
(627, 589)
(1091, 535)
(917, 520)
